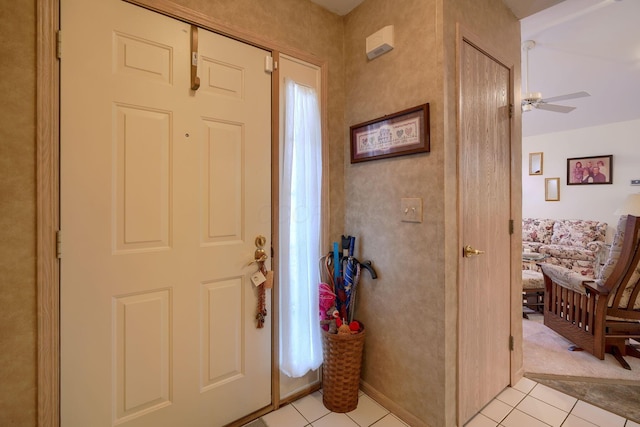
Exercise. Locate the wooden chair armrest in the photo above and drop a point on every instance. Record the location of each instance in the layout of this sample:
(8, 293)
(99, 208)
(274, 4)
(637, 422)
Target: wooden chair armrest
(592, 286)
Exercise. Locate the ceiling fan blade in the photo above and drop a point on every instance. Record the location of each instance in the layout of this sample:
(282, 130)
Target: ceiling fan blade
(568, 96)
(555, 108)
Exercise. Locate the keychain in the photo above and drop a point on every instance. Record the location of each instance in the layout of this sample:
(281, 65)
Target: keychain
(262, 279)
(262, 308)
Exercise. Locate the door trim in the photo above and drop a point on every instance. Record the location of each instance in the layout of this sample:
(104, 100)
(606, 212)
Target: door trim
(500, 55)
(47, 213)
(48, 188)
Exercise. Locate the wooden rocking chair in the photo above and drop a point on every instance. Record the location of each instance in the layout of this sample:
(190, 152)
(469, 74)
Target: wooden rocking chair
(599, 315)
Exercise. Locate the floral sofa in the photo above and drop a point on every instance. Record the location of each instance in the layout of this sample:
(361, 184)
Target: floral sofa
(575, 244)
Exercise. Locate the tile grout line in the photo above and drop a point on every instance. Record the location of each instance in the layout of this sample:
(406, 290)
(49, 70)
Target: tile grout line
(528, 394)
(301, 414)
(568, 413)
(500, 423)
(369, 425)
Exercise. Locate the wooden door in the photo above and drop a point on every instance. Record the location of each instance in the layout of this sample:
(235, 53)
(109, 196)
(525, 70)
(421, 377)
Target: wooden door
(484, 196)
(163, 192)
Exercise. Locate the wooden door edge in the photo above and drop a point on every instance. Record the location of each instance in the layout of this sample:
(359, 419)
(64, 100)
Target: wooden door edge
(47, 214)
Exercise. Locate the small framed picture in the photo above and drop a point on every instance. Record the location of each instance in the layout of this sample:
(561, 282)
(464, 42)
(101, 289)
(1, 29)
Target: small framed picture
(552, 189)
(535, 163)
(590, 170)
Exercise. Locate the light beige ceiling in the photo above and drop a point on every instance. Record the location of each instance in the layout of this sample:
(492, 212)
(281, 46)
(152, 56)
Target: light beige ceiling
(520, 8)
(524, 8)
(339, 7)
(581, 45)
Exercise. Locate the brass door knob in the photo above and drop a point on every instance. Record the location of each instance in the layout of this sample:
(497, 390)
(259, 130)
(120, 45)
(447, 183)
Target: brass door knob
(469, 251)
(260, 255)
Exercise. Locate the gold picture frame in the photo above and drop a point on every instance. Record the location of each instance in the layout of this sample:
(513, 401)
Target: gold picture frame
(552, 189)
(535, 163)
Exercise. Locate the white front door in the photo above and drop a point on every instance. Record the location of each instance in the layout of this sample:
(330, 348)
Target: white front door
(163, 192)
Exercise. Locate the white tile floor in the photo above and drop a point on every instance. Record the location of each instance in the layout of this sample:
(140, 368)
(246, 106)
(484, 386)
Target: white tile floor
(310, 411)
(527, 404)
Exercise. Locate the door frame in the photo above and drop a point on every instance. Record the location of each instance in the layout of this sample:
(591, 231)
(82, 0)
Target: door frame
(48, 93)
(500, 55)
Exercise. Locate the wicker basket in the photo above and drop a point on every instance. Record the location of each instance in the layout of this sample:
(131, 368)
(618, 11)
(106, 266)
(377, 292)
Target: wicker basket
(341, 370)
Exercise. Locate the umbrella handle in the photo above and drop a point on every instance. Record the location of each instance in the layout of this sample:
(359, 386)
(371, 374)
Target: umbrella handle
(367, 265)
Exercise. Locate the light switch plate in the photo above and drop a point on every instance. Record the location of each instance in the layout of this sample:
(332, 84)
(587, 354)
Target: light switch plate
(411, 209)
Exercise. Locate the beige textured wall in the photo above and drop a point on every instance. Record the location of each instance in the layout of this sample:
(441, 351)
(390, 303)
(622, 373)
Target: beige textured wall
(17, 217)
(411, 310)
(402, 308)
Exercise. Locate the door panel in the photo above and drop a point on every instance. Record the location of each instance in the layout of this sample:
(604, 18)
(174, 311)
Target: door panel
(163, 191)
(484, 192)
(143, 183)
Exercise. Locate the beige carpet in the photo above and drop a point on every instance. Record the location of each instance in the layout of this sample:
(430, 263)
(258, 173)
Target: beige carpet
(546, 355)
(603, 383)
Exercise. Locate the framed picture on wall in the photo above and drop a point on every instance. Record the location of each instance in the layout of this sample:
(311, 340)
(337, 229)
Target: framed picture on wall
(398, 134)
(590, 170)
(535, 163)
(552, 189)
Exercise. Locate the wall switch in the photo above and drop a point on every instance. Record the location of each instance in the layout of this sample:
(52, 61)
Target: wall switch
(635, 182)
(411, 209)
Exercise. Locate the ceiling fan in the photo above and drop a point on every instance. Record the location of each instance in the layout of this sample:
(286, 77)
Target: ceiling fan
(531, 100)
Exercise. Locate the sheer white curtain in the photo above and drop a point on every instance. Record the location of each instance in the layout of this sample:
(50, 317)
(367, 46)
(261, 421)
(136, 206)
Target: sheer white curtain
(300, 213)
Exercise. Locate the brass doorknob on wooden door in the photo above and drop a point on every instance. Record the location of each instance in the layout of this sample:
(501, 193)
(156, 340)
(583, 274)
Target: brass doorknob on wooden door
(469, 251)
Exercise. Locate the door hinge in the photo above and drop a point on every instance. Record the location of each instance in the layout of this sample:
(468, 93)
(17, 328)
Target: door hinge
(511, 343)
(268, 64)
(511, 226)
(58, 244)
(510, 110)
(58, 44)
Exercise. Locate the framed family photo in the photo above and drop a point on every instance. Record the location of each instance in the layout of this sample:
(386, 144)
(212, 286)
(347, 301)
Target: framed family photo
(405, 132)
(590, 170)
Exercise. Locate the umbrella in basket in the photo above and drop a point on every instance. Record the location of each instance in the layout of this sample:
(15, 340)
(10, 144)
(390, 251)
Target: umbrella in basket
(351, 277)
(346, 285)
(340, 274)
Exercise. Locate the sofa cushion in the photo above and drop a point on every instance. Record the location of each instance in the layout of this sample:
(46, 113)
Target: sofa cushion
(532, 280)
(609, 265)
(614, 252)
(568, 252)
(567, 278)
(537, 230)
(586, 269)
(577, 232)
(626, 295)
(531, 246)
